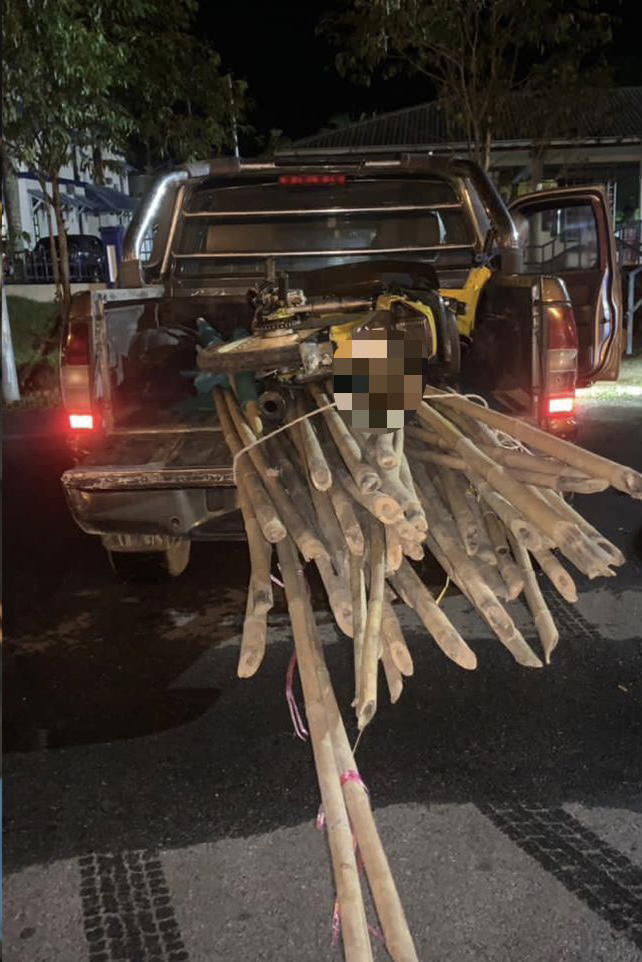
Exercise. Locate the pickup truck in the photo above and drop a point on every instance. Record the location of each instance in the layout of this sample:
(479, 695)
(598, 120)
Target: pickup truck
(529, 299)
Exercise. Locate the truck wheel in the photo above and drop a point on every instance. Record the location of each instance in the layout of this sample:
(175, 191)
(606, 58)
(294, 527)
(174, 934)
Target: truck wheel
(151, 566)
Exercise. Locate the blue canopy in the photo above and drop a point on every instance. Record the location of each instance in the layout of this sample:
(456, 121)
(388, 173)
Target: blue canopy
(110, 201)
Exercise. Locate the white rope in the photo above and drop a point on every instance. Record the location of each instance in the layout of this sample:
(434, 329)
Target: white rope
(284, 427)
(504, 440)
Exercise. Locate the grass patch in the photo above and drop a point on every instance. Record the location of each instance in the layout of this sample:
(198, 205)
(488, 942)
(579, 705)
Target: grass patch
(32, 325)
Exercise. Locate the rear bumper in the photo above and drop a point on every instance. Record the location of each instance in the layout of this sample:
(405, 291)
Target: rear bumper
(147, 514)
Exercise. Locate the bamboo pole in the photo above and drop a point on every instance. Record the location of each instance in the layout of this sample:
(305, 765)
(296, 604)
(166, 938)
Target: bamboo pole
(395, 642)
(394, 550)
(367, 697)
(354, 929)
(253, 640)
(398, 939)
(465, 572)
(392, 674)
(347, 518)
(556, 574)
(525, 530)
(460, 509)
(509, 571)
(307, 541)
(563, 507)
(338, 595)
(546, 627)
(385, 453)
(317, 466)
(324, 511)
(621, 477)
(259, 594)
(359, 614)
(380, 505)
(414, 592)
(533, 509)
(271, 525)
(364, 476)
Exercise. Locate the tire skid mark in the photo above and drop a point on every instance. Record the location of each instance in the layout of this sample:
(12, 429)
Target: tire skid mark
(598, 874)
(127, 909)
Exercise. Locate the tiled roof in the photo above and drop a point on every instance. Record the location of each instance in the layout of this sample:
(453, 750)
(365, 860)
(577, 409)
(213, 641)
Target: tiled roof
(599, 115)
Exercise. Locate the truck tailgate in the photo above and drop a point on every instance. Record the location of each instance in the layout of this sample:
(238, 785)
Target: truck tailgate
(194, 458)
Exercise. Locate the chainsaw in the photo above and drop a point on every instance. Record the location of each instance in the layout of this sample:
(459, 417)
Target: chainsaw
(294, 339)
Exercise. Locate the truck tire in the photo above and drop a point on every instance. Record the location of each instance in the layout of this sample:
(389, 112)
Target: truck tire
(151, 566)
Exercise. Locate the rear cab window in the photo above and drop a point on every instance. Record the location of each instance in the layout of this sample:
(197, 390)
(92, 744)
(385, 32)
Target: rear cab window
(232, 229)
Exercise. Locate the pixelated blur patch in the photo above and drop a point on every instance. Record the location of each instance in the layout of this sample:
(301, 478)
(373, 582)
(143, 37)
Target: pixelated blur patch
(379, 377)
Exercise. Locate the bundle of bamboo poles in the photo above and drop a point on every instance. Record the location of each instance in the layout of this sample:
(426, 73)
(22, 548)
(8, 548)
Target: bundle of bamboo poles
(481, 491)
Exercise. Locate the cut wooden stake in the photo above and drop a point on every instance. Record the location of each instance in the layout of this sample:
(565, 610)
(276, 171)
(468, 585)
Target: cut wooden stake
(621, 477)
(460, 508)
(359, 614)
(385, 452)
(414, 592)
(307, 541)
(397, 937)
(271, 525)
(394, 550)
(393, 676)
(318, 468)
(556, 574)
(354, 930)
(364, 476)
(367, 697)
(395, 642)
(546, 628)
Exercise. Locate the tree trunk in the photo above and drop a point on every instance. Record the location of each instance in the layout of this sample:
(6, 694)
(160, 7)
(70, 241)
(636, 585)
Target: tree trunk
(53, 250)
(98, 165)
(11, 196)
(65, 279)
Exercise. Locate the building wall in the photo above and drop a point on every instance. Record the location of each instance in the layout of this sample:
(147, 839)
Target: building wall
(73, 181)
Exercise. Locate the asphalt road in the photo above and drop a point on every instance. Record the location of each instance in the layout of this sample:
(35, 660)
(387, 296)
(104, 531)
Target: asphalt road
(158, 808)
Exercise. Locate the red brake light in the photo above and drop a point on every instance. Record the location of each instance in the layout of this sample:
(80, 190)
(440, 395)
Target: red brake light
(561, 405)
(311, 180)
(81, 422)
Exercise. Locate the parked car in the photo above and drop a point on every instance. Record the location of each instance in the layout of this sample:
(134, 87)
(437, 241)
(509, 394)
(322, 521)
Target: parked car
(87, 261)
(532, 294)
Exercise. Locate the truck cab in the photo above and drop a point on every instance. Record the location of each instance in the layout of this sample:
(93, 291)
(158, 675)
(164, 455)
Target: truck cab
(530, 296)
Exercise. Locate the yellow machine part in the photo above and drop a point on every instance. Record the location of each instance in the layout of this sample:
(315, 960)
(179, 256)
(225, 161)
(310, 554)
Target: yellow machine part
(469, 296)
(340, 333)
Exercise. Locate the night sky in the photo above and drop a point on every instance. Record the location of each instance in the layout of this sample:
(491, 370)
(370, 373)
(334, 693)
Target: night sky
(290, 70)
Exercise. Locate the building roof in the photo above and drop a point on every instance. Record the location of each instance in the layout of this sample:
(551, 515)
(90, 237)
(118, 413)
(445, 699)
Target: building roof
(598, 115)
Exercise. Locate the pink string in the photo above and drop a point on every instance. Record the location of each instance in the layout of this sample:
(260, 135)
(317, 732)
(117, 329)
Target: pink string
(353, 776)
(349, 776)
(297, 722)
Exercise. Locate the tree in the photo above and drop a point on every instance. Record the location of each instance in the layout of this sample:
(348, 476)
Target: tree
(476, 53)
(182, 105)
(59, 71)
(78, 73)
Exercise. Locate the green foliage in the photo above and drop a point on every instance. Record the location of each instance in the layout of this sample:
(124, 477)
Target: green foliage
(476, 52)
(182, 107)
(81, 72)
(33, 323)
(59, 73)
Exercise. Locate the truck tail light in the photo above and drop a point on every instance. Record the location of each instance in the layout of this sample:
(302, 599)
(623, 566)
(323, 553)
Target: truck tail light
(75, 377)
(81, 422)
(559, 368)
(561, 405)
